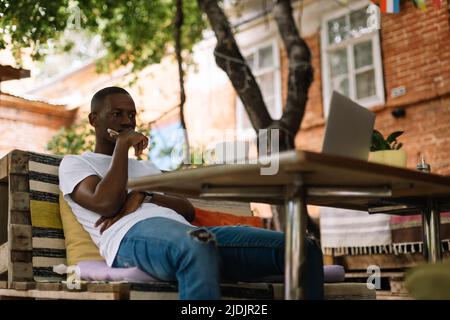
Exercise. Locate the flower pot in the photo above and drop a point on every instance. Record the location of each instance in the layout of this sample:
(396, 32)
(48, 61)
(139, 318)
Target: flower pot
(396, 158)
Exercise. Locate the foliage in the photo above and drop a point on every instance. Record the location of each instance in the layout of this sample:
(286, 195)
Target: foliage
(76, 139)
(138, 31)
(80, 137)
(390, 143)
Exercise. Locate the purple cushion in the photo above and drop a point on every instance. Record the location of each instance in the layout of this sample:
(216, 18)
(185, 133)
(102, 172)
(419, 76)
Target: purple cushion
(95, 270)
(333, 273)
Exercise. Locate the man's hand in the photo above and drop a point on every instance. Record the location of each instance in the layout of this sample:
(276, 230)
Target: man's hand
(133, 139)
(132, 203)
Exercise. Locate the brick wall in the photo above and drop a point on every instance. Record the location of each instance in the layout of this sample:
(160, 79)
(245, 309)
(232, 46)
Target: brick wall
(23, 136)
(416, 55)
(29, 125)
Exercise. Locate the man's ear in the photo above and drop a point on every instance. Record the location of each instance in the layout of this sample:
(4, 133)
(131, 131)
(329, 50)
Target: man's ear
(93, 119)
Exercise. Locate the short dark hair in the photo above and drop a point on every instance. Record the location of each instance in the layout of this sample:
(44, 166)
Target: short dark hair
(99, 97)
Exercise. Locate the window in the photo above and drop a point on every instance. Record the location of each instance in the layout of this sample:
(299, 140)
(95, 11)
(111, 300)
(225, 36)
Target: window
(264, 63)
(166, 150)
(351, 58)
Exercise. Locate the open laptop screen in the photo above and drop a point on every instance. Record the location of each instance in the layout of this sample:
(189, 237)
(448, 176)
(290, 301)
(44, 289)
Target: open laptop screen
(349, 128)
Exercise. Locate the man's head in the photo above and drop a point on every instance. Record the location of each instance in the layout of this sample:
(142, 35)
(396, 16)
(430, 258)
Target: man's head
(113, 108)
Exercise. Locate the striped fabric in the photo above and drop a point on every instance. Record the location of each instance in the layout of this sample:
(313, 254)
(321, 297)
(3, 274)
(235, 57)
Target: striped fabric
(348, 232)
(48, 236)
(407, 233)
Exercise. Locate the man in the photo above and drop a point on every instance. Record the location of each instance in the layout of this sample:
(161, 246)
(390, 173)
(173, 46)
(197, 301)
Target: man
(152, 231)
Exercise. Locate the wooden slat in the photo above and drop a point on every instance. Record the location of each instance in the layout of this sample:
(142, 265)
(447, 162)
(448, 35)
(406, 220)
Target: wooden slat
(20, 237)
(48, 286)
(18, 183)
(21, 256)
(4, 257)
(384, 261)
(20, 268)
(60, 294)
(19, 217)
(3, 212)
(19, 271)
(19, 201)
(4, 168)
(23, 285)
(108, 287)
(82, 285)
(18, 163)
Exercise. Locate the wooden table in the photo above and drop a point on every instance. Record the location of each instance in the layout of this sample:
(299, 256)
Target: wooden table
(312, 178)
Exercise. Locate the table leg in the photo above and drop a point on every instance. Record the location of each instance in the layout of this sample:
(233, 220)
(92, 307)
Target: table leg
(431, 222)
(296, 215)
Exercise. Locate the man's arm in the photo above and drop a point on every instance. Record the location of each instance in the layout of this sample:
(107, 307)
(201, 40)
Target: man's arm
(134, 200)
(181, 205)
(107, 196)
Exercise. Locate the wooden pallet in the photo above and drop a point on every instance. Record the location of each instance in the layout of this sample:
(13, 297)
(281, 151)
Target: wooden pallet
(87, 291)
(15, 220)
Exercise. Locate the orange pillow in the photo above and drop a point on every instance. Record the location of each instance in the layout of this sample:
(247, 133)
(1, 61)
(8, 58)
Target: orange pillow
(204, 218)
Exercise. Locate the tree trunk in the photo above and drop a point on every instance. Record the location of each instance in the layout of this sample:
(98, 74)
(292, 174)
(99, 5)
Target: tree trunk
(229, 59)
(300, 74)
(179, 17)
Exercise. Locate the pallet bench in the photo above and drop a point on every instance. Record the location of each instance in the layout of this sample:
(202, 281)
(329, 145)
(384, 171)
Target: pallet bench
(29, 247)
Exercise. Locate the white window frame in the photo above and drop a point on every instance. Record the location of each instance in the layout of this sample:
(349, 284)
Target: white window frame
(276, 69)
(379, 98)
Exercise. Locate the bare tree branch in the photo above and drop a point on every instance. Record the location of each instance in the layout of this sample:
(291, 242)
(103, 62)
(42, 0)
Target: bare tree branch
(179, 17)
(300, 74)
(229, 58)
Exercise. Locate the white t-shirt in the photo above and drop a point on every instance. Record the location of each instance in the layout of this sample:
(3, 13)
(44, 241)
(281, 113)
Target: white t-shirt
(75, 168)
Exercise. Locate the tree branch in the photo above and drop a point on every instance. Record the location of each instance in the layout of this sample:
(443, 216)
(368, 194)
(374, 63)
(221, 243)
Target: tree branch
(300, 74)
(229, 58)
(179, 17)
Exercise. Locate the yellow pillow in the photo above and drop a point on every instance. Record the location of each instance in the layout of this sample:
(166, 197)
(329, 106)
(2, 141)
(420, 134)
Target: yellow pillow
(79, 245)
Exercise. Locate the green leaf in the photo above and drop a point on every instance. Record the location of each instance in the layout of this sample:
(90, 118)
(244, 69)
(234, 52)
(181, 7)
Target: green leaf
(378, 142)
(393, 136)
(390, 143)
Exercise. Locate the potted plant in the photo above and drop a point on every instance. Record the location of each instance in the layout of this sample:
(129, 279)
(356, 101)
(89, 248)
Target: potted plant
(387, 150)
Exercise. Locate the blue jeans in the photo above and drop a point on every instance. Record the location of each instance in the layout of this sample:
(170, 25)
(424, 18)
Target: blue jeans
(198, 258)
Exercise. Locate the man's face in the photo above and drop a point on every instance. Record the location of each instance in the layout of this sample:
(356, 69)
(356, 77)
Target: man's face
(118, 113)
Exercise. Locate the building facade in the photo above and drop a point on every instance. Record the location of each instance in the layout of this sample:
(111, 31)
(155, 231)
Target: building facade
(400, 71)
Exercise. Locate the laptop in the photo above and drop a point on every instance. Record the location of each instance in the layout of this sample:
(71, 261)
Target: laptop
(349, 128)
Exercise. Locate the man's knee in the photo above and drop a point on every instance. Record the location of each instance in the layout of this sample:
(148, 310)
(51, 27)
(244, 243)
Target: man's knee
(199, 242)
(202, 235)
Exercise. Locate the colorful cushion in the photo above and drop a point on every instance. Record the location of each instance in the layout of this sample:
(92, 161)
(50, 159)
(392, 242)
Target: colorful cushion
(48, 237)
(99, 271)
(205, 218)
(79, 244)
